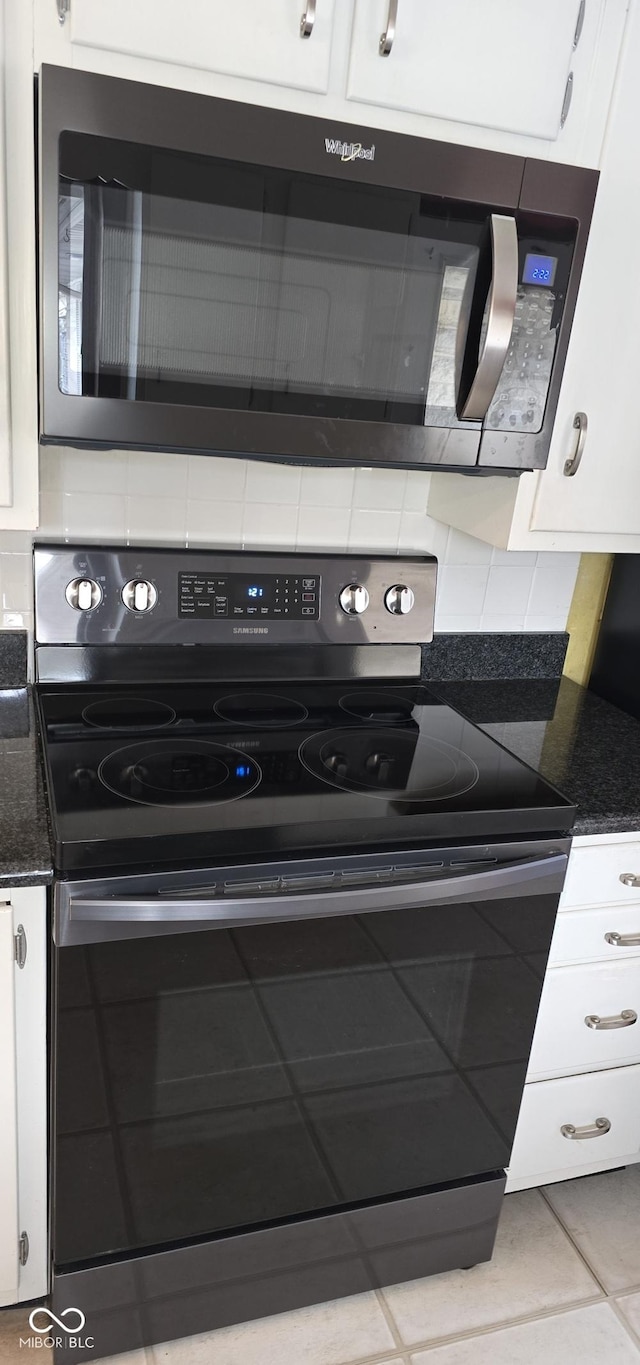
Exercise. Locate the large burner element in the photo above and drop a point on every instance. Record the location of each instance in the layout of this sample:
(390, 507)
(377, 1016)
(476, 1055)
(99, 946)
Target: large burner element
(260, 710)
(179, 773)
(389, 763)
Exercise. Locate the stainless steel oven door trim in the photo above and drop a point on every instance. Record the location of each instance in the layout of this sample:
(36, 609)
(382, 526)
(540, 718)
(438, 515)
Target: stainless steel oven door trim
(162, 914)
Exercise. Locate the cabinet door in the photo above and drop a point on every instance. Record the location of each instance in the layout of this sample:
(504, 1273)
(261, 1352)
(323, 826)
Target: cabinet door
(260, 39)
(502, 64)
(601, 372)
(6, 490)
(8, 1104)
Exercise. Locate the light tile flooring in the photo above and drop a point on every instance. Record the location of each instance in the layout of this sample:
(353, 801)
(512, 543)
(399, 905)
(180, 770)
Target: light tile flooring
(563, 1286)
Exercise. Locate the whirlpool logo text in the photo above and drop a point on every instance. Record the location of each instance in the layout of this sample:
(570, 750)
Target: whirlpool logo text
(52, 1331)
(349, 151)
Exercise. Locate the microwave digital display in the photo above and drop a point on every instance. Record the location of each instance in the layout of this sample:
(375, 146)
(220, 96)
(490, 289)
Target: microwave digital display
(539, 269)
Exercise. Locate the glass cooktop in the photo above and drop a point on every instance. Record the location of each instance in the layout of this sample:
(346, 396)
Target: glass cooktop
(190, 773)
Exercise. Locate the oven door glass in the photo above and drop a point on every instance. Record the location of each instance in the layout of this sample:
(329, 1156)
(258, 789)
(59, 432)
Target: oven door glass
(223, 1079)
(194, 281)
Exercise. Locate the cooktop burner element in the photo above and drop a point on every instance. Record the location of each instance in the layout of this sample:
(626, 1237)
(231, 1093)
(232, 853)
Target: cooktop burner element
(179, 773)
(135, 713)
(395, 765)
(377, 707)
(260, 710)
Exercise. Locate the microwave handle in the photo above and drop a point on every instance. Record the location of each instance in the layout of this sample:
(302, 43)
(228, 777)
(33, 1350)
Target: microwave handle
(473, 403)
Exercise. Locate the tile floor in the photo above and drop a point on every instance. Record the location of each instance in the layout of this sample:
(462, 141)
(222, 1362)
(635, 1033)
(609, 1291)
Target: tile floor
(563, 1286)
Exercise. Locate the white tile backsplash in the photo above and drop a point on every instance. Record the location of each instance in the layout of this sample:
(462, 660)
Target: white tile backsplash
(194, 500)
(507, 590)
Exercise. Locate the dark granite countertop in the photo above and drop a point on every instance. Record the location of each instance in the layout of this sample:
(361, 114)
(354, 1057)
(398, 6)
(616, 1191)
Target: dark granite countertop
(587, 748)
(25, 852)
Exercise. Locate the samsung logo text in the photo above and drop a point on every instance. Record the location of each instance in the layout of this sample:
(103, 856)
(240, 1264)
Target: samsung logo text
(251, 630)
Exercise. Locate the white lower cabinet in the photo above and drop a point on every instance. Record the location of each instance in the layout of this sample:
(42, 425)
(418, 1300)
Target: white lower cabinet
(580, 1111)
(589, 1018)
(23, 1094)
(542, 1153)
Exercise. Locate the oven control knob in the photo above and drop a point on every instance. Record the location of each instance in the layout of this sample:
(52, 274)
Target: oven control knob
(139, 595)
(83, 594)
(399, 599)
(354, 599)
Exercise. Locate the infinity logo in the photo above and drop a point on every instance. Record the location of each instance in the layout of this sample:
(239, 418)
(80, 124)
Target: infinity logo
(59, 1322)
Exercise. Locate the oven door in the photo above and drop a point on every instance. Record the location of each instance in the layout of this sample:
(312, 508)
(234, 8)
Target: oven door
(223, 278)
(320, 1039)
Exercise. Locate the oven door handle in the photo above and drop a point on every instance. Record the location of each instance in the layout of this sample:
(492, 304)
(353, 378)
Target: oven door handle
(484, 356)
(535, 875)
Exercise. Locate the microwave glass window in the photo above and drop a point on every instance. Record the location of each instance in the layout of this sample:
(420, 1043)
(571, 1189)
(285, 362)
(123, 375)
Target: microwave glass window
(188, 280)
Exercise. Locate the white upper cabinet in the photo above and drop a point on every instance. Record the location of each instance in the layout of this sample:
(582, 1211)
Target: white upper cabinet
(540, 69)
(602, 368)
(261, 40)
(18, 376)
(502, 64)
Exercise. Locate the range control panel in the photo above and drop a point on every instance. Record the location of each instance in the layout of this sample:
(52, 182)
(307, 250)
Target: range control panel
(260, 597)
(89, 595)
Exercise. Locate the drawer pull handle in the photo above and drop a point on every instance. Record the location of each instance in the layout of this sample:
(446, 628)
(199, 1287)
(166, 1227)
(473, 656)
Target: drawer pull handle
(624, 1020)
(623, 940)
(590, 1130)
(629, 879)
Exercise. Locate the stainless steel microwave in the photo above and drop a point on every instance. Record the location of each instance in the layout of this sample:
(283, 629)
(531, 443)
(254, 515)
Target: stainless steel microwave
(221, 278)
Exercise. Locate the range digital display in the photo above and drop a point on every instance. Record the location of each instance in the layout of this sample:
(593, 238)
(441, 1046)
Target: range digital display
(539, 269)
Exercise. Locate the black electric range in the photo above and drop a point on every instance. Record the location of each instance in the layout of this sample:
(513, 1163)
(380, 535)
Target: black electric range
(198, 772)
(300, 921)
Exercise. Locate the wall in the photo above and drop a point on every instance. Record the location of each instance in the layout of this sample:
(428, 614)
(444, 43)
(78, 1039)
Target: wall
(192, 500)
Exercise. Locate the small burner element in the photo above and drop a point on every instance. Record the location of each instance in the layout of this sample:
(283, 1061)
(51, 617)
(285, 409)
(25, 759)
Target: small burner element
(397, 765)
(377, 708)
(129, 713)
(260, 710)
(179, 773)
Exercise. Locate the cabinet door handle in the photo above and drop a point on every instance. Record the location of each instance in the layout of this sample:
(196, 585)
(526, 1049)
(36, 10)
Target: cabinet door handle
(579, 23)
(580, 424)
(589, 1130)
(629, 879)
(566, 103)
(623, 940)
(387, 38)
(308, 19)
(623, 1020)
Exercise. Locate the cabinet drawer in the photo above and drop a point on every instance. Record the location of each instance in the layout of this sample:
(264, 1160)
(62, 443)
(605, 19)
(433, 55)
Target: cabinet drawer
(563, 1042)
(593, 875)
(539, 1145)
(581, 935)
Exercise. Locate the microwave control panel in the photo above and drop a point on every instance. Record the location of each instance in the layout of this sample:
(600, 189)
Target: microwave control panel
(521, 394)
